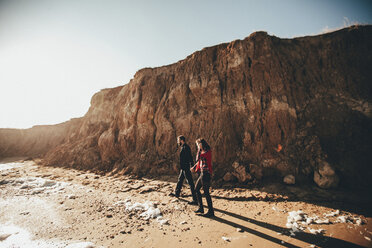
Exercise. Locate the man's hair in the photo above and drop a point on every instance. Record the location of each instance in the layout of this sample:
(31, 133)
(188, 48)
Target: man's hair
(181, 137)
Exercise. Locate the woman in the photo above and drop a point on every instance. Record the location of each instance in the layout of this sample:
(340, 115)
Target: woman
(203, 167)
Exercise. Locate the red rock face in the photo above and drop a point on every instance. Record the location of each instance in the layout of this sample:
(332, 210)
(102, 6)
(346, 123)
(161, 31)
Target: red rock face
(280, 106)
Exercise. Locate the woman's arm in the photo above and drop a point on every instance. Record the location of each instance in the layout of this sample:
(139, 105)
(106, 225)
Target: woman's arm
(193, 169)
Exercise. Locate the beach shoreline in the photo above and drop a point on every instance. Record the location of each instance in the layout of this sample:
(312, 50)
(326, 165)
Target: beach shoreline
(70, 208)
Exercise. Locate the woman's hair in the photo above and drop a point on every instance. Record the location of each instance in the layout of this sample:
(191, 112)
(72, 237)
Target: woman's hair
(204, 144)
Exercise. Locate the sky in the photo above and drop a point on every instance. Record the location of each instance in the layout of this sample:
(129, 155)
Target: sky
(55, 54)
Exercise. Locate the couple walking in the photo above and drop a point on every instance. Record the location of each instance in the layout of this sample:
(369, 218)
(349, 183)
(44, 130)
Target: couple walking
(203, 167)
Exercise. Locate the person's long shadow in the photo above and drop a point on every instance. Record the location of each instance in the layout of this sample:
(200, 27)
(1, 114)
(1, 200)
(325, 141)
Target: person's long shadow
(252, 231)
(249, 198)
(317, 240)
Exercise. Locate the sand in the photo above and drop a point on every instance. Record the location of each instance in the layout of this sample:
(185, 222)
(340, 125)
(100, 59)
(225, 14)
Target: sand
(59, 207)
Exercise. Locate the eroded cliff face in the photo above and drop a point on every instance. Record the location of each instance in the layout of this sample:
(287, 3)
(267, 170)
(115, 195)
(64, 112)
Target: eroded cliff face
(268, 106)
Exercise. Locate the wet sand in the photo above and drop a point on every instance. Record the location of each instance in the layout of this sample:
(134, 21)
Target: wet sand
(61, 207)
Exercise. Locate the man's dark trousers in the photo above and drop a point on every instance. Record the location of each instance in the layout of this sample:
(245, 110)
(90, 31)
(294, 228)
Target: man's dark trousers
(186, 173)
(185, 162)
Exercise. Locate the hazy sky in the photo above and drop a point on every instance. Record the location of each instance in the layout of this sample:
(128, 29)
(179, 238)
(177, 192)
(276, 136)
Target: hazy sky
(54, 55)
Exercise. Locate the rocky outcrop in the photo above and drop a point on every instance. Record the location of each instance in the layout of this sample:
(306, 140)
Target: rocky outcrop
(240, 172)
(289, 179)
(325, 176)
(274, 106)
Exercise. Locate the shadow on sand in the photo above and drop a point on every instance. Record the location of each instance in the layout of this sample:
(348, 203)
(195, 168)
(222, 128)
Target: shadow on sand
(317, 240)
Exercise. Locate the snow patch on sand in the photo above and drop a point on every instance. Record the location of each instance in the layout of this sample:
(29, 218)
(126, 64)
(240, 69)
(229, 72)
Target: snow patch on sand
(147, 210)
(37, 185)
(10, 166)
(296, 221)
(350, 219)
(332, 214)
(316, 231)
(227, 239)
(82, 245)
(293, 221)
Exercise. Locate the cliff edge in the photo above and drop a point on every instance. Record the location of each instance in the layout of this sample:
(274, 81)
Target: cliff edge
(269, 108)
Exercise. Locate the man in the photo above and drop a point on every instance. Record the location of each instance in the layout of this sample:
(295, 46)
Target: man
(186, 161)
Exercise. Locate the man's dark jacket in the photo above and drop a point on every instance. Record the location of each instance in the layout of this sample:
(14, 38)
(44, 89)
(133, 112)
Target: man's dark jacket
(186, 159)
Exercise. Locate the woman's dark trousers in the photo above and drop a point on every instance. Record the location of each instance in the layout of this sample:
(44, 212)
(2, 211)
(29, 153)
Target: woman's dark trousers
(204, 181)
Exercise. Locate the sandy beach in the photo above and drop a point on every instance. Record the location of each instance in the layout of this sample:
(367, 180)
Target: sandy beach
(58, 207)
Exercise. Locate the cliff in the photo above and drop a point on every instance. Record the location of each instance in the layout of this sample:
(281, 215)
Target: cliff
(268, 107)
(35, 141)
